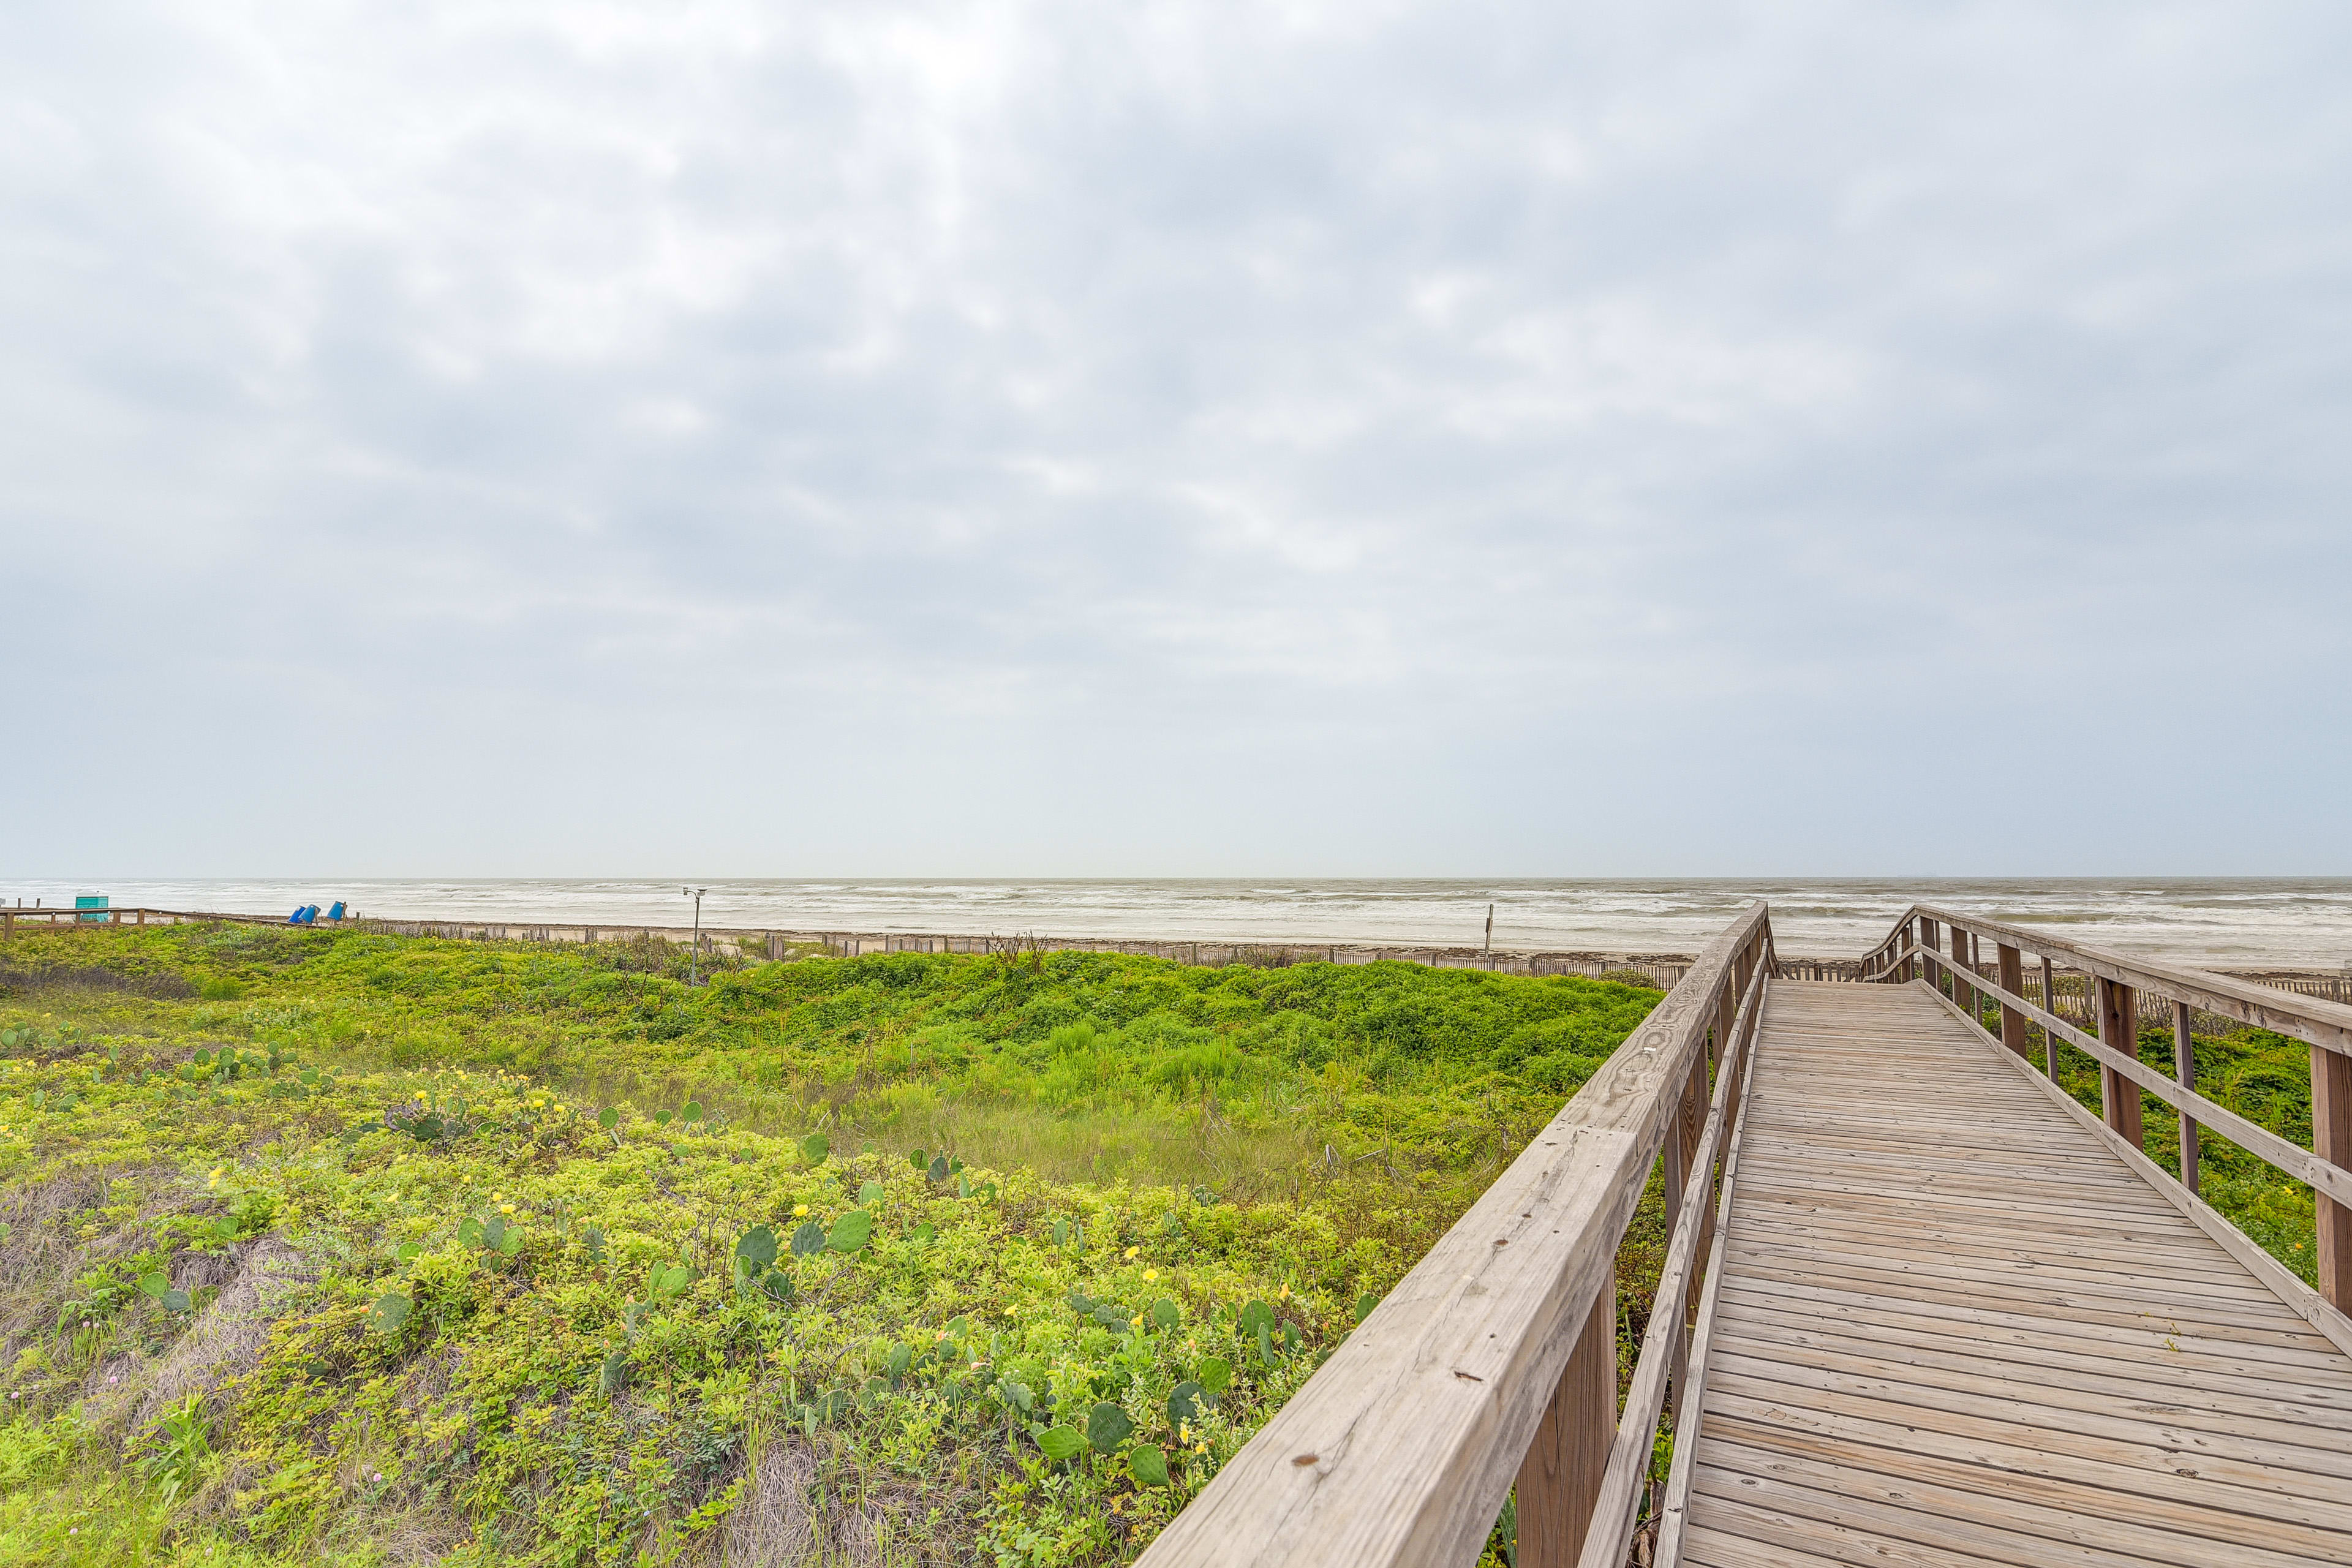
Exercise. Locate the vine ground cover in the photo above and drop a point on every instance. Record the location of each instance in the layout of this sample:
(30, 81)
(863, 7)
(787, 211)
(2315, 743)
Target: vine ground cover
(337, 1246)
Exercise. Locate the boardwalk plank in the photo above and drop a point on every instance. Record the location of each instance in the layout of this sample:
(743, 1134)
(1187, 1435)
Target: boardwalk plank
(1954, 1329)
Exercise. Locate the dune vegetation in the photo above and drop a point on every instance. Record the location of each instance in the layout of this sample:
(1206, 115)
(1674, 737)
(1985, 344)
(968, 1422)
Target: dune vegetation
(345, 1248)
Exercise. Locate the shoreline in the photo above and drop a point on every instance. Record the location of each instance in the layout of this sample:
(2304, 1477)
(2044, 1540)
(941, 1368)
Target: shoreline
(1663, 969)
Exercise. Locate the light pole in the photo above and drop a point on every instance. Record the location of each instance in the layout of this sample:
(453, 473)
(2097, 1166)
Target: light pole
(694, 958)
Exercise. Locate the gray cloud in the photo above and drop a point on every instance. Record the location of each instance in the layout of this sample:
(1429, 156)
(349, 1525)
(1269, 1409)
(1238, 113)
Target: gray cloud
(1048, 439)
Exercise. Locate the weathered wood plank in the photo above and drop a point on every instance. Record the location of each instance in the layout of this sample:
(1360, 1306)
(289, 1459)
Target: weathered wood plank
(2010, 1348)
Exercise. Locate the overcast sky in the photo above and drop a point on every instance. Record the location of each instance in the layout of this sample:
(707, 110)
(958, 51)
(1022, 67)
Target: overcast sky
(1350, 438)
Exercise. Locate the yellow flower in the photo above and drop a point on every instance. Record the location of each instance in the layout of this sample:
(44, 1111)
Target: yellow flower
(1150, 1275)
(506, 1208)
(1133, 1250)
(1012, 1312)
(1283, 1294)
(800, 1211)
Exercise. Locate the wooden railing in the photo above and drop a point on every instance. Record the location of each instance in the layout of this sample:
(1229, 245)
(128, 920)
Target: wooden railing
(1494, 1362)
(10, 919)
(1940, 949)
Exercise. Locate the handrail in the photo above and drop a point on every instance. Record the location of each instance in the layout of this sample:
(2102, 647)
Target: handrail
(1614, 1519)
(1400, 1449)
(2117, 980)
(2312, 1019)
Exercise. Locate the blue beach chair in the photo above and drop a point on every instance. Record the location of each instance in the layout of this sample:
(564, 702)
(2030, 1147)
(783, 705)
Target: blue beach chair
(337, 912)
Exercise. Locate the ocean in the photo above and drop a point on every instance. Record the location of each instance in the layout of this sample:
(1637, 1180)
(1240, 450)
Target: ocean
(2219, 922)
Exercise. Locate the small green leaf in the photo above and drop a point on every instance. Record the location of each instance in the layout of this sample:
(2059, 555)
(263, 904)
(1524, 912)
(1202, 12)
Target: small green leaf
(175, 1300)
(1364, 1305)
(851, 1231)
(666, 1283)
(408, 1251)
(693, 1111)
(903, 1356)
(204, 1059)
(871, 1192)
(1061, 1443)
(615, 1375)
(1166, 1313)
(777, 1284)
(1184, 1403)
(311, 1077)
(938, 1170)
(593, 1238)
(1061, 1233)
(1107, 1428)
(494, 1233)
(608, 1118)
(1256, 1315)
(918, 1159)
(813, 1148)
(757, 1248)
(1149, 1466)
(1081, 1303)
(1216, 1375)
(155, 1285)
(469, 1231)
(511, 1242)
(924, 1233)
(1265, 1342)
(391, 1310)
(661, 1117)
(808, 1240)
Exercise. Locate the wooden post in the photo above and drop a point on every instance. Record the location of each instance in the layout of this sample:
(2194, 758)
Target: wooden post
(1560, 1478)
(2119, 1032)
(1928, 937)
(2049, 1006)
(2184, 1068)
(1964, 995)
(2013, 979)
(2331, 1139)
(1689, 1120)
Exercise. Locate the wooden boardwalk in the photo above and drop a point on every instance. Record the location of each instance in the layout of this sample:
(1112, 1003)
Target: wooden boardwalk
(1952, 1326)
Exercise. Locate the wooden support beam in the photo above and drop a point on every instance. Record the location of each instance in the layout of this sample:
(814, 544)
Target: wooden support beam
(2049, 1005)
(2013, 979)
(1560, 1478)
(2119, 1032)
(2184, 1068)
(2331, 1139)
(1963, 993)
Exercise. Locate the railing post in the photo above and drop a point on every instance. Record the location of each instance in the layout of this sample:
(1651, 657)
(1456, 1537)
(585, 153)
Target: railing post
(1964, 995)
(1681, 1142)
(2119, 1032)
(2331, 1139)
(2049, 1006)
(1559, 1480)
(2184, 1068)
(2013, 979)
(1928, 937)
